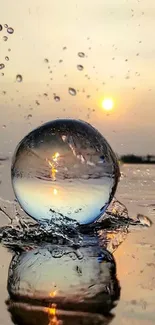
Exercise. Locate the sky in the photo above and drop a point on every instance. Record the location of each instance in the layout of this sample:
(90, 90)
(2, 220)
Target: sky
(119, 62)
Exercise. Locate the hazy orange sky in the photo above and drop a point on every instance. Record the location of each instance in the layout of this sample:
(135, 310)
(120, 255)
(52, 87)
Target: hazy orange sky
(117, 38)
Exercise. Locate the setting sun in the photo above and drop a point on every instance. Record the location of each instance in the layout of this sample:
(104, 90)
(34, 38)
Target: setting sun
(107, 104)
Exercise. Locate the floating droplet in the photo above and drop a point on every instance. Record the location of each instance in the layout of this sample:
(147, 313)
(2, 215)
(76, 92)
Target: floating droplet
(29, 116)
(46, 60)
(1, 28)
(64, 168)
(5, 38)
(5, 25)
(80, 67)
(2, 65)
(19, 78)
(7, 58)
(81, 54)
(10, 30)
(72, 91)
(57, 98)
(9, 50)
(64, 48)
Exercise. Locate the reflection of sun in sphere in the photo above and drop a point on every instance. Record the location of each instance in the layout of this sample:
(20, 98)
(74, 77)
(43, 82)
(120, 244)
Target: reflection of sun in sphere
(107, 104)
(70, 160)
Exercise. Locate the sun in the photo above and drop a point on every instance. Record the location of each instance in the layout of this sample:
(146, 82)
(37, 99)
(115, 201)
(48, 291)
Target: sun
(107, 104)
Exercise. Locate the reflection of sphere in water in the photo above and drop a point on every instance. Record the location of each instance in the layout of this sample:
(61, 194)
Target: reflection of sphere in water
(64, 168)
(82, 279)
(21, 314)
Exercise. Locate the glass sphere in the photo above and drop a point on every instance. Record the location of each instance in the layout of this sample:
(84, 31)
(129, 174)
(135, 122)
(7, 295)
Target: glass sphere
(64, 168)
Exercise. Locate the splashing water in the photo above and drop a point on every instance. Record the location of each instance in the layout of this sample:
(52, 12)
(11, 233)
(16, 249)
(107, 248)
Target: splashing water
(57, 98)
(5, 38)
(80, 67)
(23, 232)
(81, 54)
(64, 169)
(2, 65)
(72, 91)
(19, 78)
(55, 270)
(10, 30)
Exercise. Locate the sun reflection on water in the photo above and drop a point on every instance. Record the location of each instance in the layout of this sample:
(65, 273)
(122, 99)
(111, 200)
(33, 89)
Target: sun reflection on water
(51, 310)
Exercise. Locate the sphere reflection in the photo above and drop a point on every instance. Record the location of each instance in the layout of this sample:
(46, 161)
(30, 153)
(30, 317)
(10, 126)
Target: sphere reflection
(65, 167)
(70, 283)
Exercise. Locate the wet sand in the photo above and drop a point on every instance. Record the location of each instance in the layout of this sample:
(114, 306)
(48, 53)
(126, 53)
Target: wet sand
(135, 257)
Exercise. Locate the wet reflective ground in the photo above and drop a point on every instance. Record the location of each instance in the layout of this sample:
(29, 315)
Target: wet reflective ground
(135, 267)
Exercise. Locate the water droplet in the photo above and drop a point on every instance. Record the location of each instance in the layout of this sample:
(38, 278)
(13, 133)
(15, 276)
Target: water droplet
(80, 67)
(72, 91)
(81, 54)
(19, 78)
(5, 25)
(1, 28)
(49, 169)
(10, 30)
(7, 58)
(29, 116)
(5, 38)
(57, 98)
(2, 65)
(37, 102)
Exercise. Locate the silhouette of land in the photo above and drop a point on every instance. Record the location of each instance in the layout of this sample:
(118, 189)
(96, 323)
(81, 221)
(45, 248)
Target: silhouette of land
(134, 159)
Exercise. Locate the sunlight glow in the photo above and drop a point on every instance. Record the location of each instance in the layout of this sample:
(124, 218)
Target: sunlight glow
(107, 104)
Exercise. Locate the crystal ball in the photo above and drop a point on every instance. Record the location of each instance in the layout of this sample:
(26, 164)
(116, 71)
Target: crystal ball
(64, 168)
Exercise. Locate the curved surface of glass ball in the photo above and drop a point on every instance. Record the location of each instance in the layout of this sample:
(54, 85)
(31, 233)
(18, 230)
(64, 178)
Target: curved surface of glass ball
(64, 168)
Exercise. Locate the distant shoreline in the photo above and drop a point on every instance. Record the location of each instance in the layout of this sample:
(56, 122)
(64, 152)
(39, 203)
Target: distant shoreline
(137, 163)
(133, 159)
